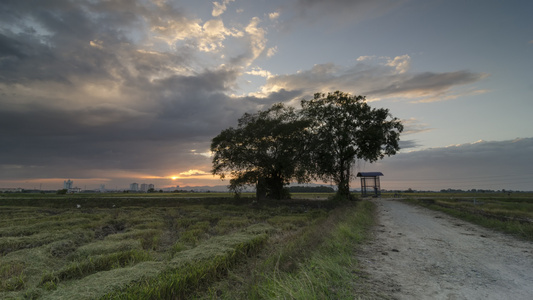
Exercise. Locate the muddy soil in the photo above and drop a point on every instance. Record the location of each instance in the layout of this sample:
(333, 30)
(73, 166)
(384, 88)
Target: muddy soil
(417, 253)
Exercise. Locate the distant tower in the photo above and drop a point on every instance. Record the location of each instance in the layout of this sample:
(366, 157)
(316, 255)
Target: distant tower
(102, 188)
(67, 184)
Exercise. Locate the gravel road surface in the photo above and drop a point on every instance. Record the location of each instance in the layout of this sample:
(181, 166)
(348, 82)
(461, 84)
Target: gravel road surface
(417, 253)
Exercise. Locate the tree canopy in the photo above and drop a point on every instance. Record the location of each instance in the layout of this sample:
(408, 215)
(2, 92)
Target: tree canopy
(266, 149)
(271, 148)
(345, 128)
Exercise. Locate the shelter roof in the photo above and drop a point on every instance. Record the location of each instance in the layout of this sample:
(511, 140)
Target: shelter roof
(369, 174)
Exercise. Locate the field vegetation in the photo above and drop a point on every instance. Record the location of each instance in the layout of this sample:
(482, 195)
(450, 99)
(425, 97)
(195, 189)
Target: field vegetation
(511, 213)
(173, 247)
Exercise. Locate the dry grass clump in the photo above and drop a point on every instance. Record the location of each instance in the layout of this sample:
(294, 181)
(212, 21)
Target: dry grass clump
(149, 238)
(23, 230)
(106, 246)
(153, 224)
(12, 276)
(177, 247)
(9, 244)
(184, 222)
(34, 262)
(260, 228)
(97, 263)
(228, 224)
(157, 280)
(62, 248)
(133, 234)
(191, 268)
(202, 225)
(290, 222)
(97, 285)
(192, 236)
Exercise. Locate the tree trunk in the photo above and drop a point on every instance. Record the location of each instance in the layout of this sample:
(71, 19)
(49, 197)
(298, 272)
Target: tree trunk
(275, 187)
(261, 189)
(344, 181)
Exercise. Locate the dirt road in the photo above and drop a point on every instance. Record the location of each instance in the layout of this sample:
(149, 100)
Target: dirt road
(417, 253)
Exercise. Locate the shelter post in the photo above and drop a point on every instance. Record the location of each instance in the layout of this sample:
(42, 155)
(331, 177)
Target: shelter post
(370, 185)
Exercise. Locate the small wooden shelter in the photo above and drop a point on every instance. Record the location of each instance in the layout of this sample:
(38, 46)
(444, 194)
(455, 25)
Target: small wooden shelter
(370, 186)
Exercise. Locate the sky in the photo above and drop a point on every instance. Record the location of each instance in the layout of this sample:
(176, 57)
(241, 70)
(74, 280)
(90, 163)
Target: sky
(119, 91)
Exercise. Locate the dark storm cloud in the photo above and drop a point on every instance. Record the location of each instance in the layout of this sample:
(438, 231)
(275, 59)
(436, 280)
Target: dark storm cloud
(276, 97)
(83, 90)
(484, 164)
(387, 78)
(426, 83)
(408, 144)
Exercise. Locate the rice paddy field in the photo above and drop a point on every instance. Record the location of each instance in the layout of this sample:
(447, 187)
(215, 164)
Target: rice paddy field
(171, 247)
(507, 212)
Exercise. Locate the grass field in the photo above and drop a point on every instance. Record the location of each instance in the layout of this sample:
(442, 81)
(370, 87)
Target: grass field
(509, 213)
(175, 247)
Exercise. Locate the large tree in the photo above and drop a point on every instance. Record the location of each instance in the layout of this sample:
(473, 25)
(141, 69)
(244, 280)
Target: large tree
(267, 149)
(345, 128)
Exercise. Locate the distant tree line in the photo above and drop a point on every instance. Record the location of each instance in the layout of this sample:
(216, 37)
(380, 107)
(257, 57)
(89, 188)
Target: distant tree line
(311, 189)
(322, 141)
(475, 191)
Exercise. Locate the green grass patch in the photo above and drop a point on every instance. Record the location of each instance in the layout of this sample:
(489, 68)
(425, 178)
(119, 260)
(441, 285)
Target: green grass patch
(289, 222)
(508, 215)
(12, 276)
(316, 261)
(328, 273)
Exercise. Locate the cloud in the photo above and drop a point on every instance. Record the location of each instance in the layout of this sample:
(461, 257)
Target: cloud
(378, 78)
(264, 101)
(194, 173)
(257, 37)
(482, 164)
(259, 72)
(272, 51)
(220, 7)
(273, 16)
(400, 63)
(412, 126)
(97, 44)
(206, 37)
(90, 89)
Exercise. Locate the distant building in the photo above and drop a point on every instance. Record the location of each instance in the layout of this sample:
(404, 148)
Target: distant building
(144, 187)
(134, 187)
(67, 184)
(102, 188)
(74, 190)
